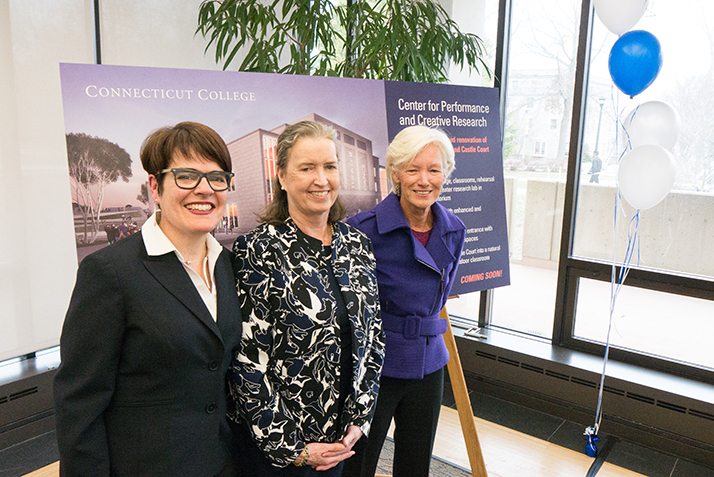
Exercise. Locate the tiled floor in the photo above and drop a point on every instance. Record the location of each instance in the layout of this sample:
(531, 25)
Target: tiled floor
(28, 456)
(568, 434)
(31, 455)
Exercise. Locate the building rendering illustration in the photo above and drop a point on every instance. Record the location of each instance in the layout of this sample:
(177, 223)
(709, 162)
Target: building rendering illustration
(254, 164)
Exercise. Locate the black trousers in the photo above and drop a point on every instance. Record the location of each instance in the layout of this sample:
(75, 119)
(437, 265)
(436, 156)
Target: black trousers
(414, 404)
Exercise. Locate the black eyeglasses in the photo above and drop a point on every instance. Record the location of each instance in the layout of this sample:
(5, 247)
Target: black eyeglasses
(190, 178)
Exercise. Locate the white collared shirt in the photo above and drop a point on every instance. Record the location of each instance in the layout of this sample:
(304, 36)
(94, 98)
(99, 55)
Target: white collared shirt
(157, 243)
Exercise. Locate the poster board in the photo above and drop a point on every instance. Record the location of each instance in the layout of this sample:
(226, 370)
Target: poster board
(122, 105)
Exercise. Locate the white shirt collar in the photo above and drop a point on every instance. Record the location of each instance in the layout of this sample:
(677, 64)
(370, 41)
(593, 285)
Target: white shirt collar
(157, 243)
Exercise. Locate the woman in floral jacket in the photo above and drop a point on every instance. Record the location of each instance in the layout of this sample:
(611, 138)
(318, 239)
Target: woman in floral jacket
(306, 376)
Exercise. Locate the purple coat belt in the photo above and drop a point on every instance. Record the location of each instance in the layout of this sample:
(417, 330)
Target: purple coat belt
(412, 327)
(414, 282)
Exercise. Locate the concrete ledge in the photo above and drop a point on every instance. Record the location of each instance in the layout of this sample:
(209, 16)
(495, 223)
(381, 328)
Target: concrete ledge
(674, 235)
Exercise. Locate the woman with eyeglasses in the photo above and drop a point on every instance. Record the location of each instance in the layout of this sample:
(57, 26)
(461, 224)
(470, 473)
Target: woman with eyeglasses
(152, 323)
(306, 376)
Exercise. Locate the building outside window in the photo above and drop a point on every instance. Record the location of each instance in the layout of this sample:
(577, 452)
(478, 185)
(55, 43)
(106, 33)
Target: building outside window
(672, 273)
(675, 235)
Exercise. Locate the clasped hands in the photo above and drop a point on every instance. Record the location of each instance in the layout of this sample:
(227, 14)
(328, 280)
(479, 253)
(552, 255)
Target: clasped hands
(323, 456)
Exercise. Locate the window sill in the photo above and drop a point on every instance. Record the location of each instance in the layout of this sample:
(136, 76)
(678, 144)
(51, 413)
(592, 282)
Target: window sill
(529, 349)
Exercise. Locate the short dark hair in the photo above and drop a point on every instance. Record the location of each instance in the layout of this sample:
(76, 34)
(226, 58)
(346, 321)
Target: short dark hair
(186, 138)
(277, 211)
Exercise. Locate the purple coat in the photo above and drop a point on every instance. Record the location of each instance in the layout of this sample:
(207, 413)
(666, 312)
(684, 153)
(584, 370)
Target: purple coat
(414, 283)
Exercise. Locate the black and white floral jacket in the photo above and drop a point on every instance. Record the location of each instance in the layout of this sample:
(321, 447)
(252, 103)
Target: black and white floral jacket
(285, 377)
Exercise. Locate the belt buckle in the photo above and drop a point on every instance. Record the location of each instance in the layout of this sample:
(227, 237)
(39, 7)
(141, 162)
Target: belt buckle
(412, 327)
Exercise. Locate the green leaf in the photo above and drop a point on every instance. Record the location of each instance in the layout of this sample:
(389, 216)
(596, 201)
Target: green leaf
(409, 40)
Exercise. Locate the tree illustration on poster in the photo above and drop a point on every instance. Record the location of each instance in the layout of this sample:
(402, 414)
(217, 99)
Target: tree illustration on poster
(144, 197)
(94, 163)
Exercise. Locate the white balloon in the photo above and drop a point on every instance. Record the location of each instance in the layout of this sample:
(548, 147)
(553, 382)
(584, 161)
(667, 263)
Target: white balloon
(620, 15)
(653, 122)
(646, 175)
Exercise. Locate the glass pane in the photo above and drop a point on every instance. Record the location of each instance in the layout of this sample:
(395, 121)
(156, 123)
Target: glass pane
(541, 73)
(481, 18)
(650, 322)
(675, 235)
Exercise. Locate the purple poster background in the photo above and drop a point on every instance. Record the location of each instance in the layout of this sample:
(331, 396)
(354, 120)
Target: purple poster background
(122, 105)
(475, 190)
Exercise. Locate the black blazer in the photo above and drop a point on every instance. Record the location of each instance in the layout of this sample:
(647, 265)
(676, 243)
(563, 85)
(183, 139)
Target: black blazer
(141, 389)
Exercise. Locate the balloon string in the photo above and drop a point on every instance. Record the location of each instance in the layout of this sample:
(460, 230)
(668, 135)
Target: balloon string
(615, 101)
(598, 412)
(633, 243)
(616, 282)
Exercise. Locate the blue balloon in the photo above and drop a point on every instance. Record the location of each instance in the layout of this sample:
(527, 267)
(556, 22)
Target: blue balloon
(635, 61)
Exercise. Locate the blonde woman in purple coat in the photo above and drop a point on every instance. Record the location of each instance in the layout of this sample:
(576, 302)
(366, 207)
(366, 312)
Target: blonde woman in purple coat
(417, 244)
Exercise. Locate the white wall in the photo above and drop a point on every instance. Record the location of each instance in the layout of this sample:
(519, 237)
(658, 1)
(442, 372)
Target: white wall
(37, 250)
(154, 33)
(38, 258)
(481, 18)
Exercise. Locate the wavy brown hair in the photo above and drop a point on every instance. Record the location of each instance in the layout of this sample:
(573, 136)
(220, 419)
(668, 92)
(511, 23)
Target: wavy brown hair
(277, 212)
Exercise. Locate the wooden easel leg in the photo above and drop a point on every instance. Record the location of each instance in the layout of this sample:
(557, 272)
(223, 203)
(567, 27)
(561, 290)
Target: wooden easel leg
(463, 403)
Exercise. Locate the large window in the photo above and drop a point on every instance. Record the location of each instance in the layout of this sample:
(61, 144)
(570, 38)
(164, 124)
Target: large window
(563, 137)
(541, 72)
(659, 324)
(479, 17)
(674, 236)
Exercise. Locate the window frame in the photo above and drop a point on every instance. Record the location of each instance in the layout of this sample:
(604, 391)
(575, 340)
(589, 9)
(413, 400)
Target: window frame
(539, 146)
(570, 268)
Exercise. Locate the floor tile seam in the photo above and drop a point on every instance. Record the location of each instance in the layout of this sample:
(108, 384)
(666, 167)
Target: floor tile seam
(504, 423)
(562, 423)
(674, 467)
